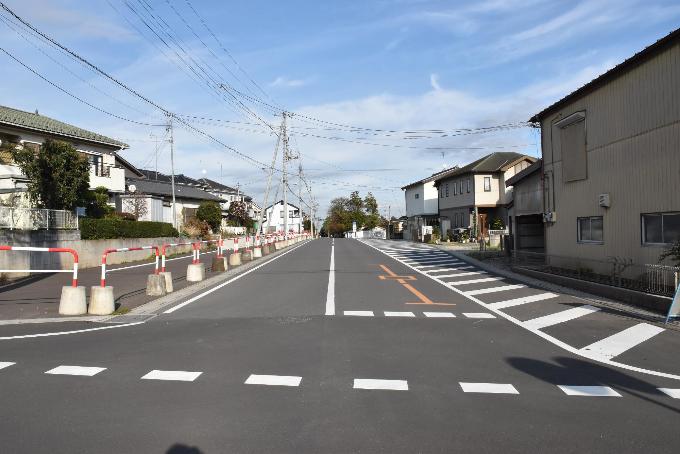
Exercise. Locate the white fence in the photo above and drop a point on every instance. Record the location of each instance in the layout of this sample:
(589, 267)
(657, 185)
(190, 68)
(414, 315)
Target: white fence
(37, 219)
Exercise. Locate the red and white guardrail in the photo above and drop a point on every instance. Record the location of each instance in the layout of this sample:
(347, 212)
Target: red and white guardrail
(166, 246)
(102, 281)
(74, 281)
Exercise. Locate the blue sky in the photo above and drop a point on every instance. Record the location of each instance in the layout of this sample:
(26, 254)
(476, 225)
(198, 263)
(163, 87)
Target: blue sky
(381, 64)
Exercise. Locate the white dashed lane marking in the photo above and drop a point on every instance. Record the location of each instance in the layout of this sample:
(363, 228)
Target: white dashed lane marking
(4, 364)
(439, 314)
(589, 391)
(523, 300)
(490, 388)
(273, 380)
(171, 375)
(560, 317)
(399, 314)
(370, 383)
(359, 313)
(75, 370)
(622, 341)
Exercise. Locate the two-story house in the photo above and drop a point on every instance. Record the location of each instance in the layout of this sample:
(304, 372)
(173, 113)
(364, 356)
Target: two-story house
(274, 216)
(475, 195)
(422, 204)
(31, 129)
(611, 160)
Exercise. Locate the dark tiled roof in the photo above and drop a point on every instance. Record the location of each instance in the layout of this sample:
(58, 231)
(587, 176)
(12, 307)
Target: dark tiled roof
(432, 177)
(36, 122)
(535, 167)
(179, 178)
(214, 185)
(281, 202)
(493, 162)
(163, 188)
(672, 39)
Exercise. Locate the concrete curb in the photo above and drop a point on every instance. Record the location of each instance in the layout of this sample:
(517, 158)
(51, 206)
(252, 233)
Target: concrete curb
(621, 309)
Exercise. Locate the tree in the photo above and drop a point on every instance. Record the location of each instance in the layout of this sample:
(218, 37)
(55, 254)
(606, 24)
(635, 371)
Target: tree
(307, 225)
(98, 203)
(673, 252)
(372, 218)
(137, 205)
(59, 176)
(238, 213)
(211, 213)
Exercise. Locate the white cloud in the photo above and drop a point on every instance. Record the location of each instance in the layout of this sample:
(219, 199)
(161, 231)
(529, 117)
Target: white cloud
(434, 82)
(282, 81)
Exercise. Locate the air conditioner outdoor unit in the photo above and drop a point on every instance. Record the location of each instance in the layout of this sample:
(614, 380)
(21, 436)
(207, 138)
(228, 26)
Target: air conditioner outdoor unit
(550, 216)
(604, 201)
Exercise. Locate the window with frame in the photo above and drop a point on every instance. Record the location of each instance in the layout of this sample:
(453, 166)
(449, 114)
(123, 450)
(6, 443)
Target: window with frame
(417, 195)
(468, 185)
(487, 184)
(460, 187)
(447, 189)
(660, 228)
(590, 229)
(455, 188)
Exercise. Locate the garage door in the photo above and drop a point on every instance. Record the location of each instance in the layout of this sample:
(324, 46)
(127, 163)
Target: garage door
(530, 234)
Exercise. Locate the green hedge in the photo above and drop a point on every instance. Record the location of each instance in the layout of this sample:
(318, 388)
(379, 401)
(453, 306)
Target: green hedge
(101, 229)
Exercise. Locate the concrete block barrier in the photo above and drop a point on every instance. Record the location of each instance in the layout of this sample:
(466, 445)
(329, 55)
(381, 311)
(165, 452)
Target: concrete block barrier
(73, 301)
(234, 259)
(219, 264)
(167, 275)
(265, 250)
(101, 300)
(247, 256)
(195, 272)
(155, 285)
(257, 252)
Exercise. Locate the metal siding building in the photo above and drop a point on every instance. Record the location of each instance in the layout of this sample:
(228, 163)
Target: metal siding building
(630, 123)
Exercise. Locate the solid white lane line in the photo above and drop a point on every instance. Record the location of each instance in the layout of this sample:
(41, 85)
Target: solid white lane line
(60, 333)
(392, 385)
(547, 337)
(522, 300)
(439, 314)
(560, 317)
(475, 281)
(217, 287)
(75, 370)
(494, 289)
(359, 313)
(590, 391)
(674, 393)
(620, 342)
(478, 315)
(172, 375)
(491, 388)
(5, 364)
(330, 294)
(399, 314)
(273, 380)
(466, 273)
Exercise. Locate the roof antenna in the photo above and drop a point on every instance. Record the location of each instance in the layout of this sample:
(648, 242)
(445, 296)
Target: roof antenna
(36, 112)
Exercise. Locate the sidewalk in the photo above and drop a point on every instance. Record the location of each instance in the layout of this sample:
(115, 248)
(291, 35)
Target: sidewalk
(38, 296)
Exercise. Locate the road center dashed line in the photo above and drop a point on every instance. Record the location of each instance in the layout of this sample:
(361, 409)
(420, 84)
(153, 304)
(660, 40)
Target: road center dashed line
(391, 385)
(76, 370)
(273, 380)
(359, 313)
(489, 388)
(589, 391)
(4, 364)
(171, 375)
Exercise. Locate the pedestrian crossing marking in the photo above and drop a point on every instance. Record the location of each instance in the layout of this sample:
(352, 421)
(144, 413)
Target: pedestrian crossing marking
(76, 370)
(171, 375)
(560, 317)
(589, 391)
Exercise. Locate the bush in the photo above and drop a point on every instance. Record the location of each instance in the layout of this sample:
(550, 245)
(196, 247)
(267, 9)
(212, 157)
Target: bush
(121, 215)
(194, 228)
(211, 213)
(497, 224)
(98, 203)
(101, 229)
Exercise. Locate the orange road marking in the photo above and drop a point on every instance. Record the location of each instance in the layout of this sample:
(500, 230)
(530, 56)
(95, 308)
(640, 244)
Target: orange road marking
(402, 280)
(392, 275)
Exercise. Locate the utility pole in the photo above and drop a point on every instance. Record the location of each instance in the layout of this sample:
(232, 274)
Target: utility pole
(172, 171)
(389, 220)
(300, 195)
(155, 139)
(285, 178)
(269, 183)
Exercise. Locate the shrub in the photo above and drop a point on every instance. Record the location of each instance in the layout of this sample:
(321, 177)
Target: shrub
(98, 203)
(194, 227)
(673, 252)
(211, 213)
(497, 224)
(121, 215)
(101, 229)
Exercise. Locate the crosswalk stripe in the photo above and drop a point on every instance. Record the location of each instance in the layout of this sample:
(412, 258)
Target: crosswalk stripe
(491, 388)
(560, 317)
(359, 313)
(273, 380)
(4, 364)
(399, 314)
(475, 281)
(671, 392)
(436, 265)
(620, 342)
(75, 370)
(369, 383)
(590, 391)
(478, 315)
(494, 289)
(439, 314)
(522, 300)
(466, 273)
(171, 375)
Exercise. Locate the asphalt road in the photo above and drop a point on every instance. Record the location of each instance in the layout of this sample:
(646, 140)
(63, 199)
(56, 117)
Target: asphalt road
(390, 360)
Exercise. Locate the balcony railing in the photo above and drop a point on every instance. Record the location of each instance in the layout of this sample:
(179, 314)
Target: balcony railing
(37, 219)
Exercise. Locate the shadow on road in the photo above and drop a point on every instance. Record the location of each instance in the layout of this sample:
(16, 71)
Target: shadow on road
(179, 448)
(577, 372)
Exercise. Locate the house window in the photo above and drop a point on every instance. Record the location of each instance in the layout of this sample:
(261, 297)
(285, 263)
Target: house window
(417, 196)
(468, 185)
(590, 230)
(573, 147)
(660, 228)
(455, 188)
(282, 214)
(487, 184)
(447, 189)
